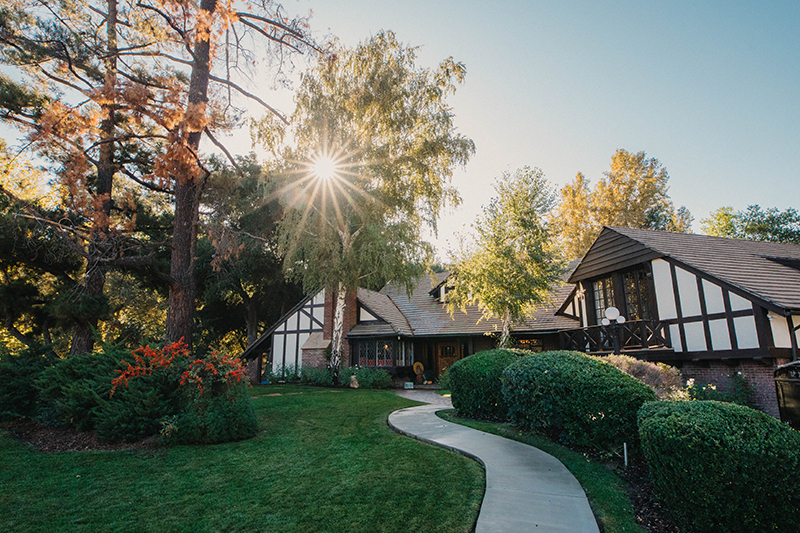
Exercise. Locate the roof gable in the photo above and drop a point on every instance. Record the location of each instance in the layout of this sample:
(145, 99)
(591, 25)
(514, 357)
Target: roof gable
(764, 270)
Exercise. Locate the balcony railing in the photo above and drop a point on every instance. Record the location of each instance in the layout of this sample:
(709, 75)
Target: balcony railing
(636, 335)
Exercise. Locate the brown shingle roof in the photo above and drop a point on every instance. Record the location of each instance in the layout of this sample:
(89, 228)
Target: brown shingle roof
(425, 316)
(743, 264)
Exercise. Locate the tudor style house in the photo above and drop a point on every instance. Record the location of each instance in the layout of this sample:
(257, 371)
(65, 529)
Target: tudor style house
(708, 305)
(391, 329)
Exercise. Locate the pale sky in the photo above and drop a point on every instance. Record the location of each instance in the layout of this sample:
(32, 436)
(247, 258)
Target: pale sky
(710, 89)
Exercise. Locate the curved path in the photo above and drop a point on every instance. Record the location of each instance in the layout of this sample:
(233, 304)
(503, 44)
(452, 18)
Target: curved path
(526, 489)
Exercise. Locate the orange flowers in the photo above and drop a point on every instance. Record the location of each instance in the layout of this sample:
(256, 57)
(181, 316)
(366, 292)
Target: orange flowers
(212, 369)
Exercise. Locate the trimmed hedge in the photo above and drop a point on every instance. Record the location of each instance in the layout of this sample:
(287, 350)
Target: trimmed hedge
(476, 384)
(722, 467)
(574, 398)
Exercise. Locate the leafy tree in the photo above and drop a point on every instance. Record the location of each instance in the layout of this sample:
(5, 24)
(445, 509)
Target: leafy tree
(243, 287)
(574, 223)
(632, 194)
(114, 100)
(755, 224)
(512, 265)
(375, 151)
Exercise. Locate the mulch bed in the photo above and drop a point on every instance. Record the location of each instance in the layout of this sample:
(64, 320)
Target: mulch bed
(59, 439)
(649, 511)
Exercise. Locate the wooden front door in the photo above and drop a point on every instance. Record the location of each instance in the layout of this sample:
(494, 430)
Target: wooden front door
(447, 353)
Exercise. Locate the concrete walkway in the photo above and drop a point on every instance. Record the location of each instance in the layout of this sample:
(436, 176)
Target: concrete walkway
(526, 489)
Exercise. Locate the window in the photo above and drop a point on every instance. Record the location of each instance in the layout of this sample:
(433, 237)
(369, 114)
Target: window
(637, 294)
(603, 297)
(376, 353)
(405, 354)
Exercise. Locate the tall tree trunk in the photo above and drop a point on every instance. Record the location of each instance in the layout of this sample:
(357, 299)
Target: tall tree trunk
(180, 315)
(505, 336)
(95, 277)
(338, 330)
(251, 318)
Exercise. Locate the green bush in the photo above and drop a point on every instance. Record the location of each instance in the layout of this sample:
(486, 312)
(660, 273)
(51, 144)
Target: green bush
(72, 390)
(738, 391)
(18, 374)
(575, 398)
(476, 384)
(214, 418)
(722, 467)
(136, 411)
(316, 376)
(367, 377)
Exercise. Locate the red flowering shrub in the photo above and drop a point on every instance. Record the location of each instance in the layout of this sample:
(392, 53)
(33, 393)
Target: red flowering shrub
(147, 359)
(208, 393)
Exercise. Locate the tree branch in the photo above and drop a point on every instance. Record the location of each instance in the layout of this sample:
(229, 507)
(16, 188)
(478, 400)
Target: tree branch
(251, 96)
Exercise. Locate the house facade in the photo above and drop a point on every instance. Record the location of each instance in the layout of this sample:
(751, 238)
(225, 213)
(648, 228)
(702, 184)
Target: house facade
(707, 305)
(712, 307)
(393, 330)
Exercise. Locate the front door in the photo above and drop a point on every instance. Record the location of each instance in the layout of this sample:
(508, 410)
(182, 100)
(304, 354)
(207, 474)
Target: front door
(447, 353)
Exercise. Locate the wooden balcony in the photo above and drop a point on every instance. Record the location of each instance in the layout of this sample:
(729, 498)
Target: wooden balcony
(636, 337)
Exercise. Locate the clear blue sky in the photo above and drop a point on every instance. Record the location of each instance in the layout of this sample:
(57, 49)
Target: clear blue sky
(711, 89)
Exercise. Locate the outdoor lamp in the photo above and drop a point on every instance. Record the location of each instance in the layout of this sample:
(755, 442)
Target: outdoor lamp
(613, 317)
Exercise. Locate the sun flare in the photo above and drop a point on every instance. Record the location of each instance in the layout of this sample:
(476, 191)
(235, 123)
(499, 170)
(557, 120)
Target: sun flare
(324, 168)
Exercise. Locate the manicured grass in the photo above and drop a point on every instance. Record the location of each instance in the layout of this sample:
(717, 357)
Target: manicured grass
(607, 493)
(325, 460)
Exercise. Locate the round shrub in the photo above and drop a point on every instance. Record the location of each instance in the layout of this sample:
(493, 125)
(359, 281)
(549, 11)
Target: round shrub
(476, 384)
(722, 467)
(575, 398)
(373, 378)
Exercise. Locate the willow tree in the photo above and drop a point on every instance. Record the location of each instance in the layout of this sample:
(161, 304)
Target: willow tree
(118, 94)
(375, 151)
(512, 265)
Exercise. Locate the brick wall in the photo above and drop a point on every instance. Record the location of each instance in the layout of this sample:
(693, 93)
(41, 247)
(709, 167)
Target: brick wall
(252, 371)
(757, 375)
(314, 358)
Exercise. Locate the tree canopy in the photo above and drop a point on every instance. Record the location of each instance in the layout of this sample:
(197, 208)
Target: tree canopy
(513, 264)
(116, 95)
(374, 151)
(633, 194)
(755, 224)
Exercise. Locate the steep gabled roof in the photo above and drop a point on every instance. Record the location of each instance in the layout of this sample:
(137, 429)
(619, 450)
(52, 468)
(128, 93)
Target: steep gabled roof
(766, 270)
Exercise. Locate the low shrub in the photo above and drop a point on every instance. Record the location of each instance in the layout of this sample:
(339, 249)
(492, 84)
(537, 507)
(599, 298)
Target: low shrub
(367, 377)
(202, 398)
(19, 396)
(476, 384)
(316, 376)
(211, 395)
(284, 373)
(722, 467)
(665, 380)
(738, 391)
(212, 419)
(72, 390)
(574, 398)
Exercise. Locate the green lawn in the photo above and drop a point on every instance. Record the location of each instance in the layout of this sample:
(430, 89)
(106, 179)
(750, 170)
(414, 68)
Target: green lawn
(607, 493)
(325, 460)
